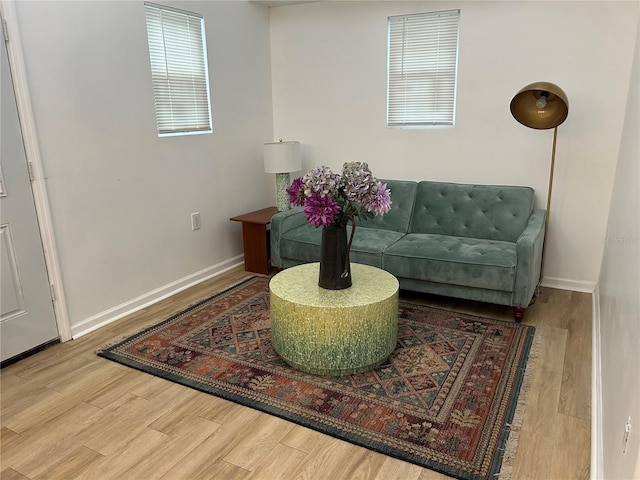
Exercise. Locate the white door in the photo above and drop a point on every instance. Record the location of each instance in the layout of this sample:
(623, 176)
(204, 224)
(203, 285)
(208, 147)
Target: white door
(27, 319)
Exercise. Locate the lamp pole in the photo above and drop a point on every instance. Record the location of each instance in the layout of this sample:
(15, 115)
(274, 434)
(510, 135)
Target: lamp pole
(546, 221)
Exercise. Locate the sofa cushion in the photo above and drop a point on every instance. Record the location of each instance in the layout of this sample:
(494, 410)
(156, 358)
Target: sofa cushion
(370, 243)
(474, 211)
(470, 262)
(302, 244)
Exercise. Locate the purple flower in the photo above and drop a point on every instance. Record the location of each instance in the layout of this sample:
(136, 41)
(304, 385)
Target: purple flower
(327, 197)
(321, 211)
(381, 202)
(321, 180)
(296, 192)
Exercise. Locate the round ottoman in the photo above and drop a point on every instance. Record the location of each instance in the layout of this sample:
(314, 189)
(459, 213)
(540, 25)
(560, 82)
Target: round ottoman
(334, 332)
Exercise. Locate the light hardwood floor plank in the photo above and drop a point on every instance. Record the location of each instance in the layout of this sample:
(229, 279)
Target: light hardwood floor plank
(535, 448)
(356, 463)
(122, 463)
(393, 468)
(73, 465)
(280, 464)
(571, 462)
(125, 380)
(44, 447)
(18, 412)
(182, 438)
(266, 433)
(219, 470)
(575, 396)
(11, 474)
(208, 456)
(328, 453)
(305, 439)
(551, 350)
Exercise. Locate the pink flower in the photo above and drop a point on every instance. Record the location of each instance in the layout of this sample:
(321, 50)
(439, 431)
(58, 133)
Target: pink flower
(321, 211)
(296, 192)
(381, 202)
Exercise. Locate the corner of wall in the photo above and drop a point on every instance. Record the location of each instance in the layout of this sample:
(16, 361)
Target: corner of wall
(568, 284)
(597, 449)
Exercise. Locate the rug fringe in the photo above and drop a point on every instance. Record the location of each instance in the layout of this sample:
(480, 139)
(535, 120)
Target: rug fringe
(511, 447)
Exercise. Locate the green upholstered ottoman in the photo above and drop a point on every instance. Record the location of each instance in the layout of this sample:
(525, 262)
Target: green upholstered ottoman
(334, 332)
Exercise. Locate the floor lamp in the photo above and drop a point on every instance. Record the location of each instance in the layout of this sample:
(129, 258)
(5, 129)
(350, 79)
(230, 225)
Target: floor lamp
(542, 105)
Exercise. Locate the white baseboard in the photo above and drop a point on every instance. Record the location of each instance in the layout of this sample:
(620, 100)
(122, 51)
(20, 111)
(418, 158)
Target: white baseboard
(127, 308)
(566, 284)
(597, 449)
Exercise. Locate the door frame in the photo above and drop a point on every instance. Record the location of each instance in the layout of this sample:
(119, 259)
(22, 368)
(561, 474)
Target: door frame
(32, 150)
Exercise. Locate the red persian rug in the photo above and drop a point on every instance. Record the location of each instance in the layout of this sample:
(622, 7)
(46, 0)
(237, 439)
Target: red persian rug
(444, 400)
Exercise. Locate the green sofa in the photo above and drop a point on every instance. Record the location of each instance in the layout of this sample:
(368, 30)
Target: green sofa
(477, 242)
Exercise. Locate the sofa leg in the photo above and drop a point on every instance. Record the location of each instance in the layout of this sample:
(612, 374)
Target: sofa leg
(518, 313)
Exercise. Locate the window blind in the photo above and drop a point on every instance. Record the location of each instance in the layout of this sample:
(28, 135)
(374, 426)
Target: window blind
(177, 49)
(422, 69)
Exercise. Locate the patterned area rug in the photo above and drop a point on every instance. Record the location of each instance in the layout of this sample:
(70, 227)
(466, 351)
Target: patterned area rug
(444, 400)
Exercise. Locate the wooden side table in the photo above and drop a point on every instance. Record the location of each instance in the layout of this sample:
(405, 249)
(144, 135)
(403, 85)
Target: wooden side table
(255, 239)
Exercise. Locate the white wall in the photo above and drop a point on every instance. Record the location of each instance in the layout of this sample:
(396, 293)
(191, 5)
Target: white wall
(619, 289)
(329, 92)
(121, 197)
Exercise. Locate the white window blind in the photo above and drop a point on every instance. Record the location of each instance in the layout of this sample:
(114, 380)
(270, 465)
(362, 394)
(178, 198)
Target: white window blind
(177, 48)
(422, 69)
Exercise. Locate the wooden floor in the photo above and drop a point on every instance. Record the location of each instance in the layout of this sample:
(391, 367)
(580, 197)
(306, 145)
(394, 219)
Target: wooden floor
(68, 414)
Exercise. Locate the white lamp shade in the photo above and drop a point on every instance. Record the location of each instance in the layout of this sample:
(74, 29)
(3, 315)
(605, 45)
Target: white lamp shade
(282, 157)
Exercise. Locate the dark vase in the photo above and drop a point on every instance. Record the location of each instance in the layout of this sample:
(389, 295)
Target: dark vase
(335, 269)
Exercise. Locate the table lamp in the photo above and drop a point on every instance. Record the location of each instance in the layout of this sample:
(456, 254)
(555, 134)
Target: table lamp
(282, 158)
(542, 105)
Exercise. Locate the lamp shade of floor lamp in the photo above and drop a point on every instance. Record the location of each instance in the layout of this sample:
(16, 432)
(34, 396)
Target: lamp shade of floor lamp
(542, 105)
(282, 158)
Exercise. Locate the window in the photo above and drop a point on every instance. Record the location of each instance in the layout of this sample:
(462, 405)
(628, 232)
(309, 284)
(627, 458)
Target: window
(178, 53)
(422, 68)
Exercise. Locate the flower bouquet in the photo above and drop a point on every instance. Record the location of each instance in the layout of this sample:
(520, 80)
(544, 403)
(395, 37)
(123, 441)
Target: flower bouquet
(330, 200)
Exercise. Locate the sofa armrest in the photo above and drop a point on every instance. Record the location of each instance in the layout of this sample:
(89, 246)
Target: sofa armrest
(529, 259)
(280, 224)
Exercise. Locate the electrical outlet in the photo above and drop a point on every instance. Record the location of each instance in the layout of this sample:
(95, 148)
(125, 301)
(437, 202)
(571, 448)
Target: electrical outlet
(195, 221)
(625, 437)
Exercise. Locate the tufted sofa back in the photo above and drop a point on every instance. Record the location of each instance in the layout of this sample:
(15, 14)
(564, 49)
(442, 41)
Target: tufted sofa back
(476, 211)
(403, 195)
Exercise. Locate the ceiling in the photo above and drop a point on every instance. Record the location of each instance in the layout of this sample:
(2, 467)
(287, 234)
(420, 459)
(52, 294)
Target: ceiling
(281, 3)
